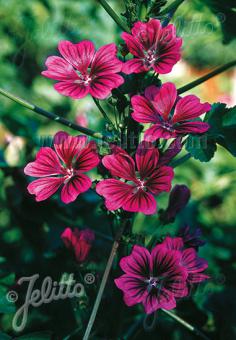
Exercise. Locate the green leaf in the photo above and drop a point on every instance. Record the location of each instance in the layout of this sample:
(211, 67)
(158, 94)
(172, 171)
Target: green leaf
(229, 119)
(201, 148)
(223, 135)
(222, 121)
(6, 306)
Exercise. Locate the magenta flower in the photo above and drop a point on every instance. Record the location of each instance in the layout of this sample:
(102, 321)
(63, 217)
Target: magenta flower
(134, 191)
(82, 70)
(194, 265)
(64, 166)
(78, 241)
(170, 116)
(191, 238)
(155, 279)
(153, 46)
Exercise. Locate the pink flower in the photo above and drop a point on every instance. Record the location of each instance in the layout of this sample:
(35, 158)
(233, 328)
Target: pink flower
(82, 119)
(170, 116)
(194, 265)
(64, 166)
(153, 46)
(155, 279)
(79, 241)
(83, 70)
(136, 191)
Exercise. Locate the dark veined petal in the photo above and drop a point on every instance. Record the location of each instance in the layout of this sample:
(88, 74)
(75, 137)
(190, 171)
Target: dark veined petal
(68, 147)
(141, 201)
(115, 192)
(188, 108)
(146, 159)
(137, 263)
(45, 187)
(75, 186)
(160, 180)
(46, 164)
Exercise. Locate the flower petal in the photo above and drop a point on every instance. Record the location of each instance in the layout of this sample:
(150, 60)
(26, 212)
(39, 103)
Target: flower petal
(160, 180)
(133, 45)
(159, 298)
(146, 159)
(134, 289)
(46, 164)
(44, 187)
(73, 89)
(68, 147)
(105, 60)
(78, 55)
(59, 69)
(115, 193)
(101, 86)
(188, 108)
(165, 99)
(75, 186)
(137, 263)
(158, 131)
(87, 157)
(173, 243)
(120, 165)
(134, 65)
(191, 127)
(141, 201)
(192, 262)
(144, 112)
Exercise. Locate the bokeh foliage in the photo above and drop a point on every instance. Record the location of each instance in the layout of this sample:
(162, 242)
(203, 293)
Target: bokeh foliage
(30, 231)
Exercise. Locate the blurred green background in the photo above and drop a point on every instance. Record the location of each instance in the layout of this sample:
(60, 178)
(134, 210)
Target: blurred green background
(30, 233)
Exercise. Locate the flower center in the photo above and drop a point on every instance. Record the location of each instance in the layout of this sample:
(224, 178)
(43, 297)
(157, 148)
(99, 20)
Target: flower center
(153, 283)
(84, 78)
(167, 126)
(69, 174)
(150, 57)
(140, 185)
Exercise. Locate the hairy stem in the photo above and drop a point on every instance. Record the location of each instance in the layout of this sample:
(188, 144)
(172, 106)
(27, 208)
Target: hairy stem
(114, 16)
(53, 116)
(206, 77)
(104, 280)
(186, 324)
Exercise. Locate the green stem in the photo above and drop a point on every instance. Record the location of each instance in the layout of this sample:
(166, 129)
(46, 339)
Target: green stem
(186, 324)
(172, 7)
(181, 160)
(105, 116)
(53, 116)
(206, 77)
(104, 280)
(114, 16)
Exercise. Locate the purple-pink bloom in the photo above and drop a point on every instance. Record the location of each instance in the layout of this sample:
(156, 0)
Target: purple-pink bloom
(139, 181)
(78, 241)
(155, 279)
(82, 70)
(171, 116)
(153, 46)
(191, 238)
(190, 260)
(178, 199)
(64, 166)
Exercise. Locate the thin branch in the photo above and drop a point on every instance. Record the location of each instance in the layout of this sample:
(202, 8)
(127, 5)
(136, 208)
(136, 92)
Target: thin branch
(53, 116)
(104, 281)
(114, 16)
(105, 116)
(186, 324)
(206, 77)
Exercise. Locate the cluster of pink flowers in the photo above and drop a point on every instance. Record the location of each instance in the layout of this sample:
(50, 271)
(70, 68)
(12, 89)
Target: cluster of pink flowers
(133, 181)
(158, 278)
